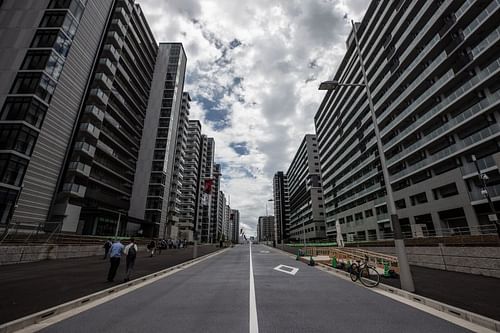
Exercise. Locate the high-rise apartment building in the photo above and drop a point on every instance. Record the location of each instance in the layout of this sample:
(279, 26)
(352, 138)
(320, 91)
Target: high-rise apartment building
(95, 192)
(265, 228)
(433, 73)
(307, 218)
(205, 209)
(175, 203)
(215, 226)
(221, 201)
(190, 183)
(154, 174)
(281, 205)
(73, 96)
(235, 225)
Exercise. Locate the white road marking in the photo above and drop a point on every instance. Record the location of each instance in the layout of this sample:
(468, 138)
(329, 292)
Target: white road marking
(264, 251)
(254, 323)
(286, 269)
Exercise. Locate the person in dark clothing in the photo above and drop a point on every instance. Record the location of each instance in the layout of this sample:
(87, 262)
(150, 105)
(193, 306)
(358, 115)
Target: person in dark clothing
(151, 247)
(115, 254)
(131, 253)
(106, 247)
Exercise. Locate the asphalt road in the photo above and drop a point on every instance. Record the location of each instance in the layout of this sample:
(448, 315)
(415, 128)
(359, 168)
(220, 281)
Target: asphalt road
(31, 287)
(215, 296)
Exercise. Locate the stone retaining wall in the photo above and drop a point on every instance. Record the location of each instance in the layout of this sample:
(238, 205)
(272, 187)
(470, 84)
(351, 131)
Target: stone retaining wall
(474, 260)
(14, 254)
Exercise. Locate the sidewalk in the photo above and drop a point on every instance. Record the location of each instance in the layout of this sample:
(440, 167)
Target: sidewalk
(475, 293)
(32, 287)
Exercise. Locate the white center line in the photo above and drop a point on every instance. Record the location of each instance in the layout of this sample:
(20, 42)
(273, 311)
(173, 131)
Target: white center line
(254, 324)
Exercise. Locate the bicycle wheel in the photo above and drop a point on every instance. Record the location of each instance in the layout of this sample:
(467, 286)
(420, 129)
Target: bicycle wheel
(369, 277)
(354, 272)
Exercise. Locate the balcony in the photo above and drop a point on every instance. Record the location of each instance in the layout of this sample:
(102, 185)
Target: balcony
(94, 112)
(470, 141)
(90, 129)
(85, 148)
(121, 14)
(105, 148)
(80, 168)
(125, 4)
(477, 195)
(119, 27)
(74, 190)
(485, 164)
(110, 52)
(103, 81)
(451, 125)
(98, 97)
(105, 65)
(114, 39)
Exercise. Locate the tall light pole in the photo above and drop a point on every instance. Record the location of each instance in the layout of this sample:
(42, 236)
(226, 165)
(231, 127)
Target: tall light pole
(484, 191)
(404, 267)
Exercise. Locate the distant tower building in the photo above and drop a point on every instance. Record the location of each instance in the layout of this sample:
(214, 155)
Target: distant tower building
(220, 215)
(235, 225)
(215, 231)
(265, 229)
(281, 205)
(207, 187)
(190, 182)
(175, 203)
(153, 175)
(306, 197)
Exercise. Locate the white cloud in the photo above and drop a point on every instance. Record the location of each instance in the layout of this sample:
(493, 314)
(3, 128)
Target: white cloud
(287, 48)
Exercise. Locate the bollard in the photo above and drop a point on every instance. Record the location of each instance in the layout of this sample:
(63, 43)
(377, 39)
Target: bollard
(386, 269)
(334, 262)
(298, 255)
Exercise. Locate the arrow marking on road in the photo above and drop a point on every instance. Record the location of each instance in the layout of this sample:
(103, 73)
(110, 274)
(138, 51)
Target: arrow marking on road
(286, 269)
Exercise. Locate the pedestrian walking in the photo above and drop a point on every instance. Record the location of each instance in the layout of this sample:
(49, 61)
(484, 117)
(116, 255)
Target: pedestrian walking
(107, 246)
(131, 253)
(115, 254)
(151, 248)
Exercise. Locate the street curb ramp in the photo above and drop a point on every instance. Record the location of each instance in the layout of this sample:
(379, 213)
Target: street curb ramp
(37, 317)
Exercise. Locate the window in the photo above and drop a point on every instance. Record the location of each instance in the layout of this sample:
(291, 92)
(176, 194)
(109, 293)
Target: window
(34, 83)
(43, 60)
(400, 204)
(12, 169)
(381, 210)
(74, 6)
(358, 216)
(24, 108)
(368, 213)
(53, 19)
(44, 38)
(446, 191)
(18, 138)
(35, 60)
(418, 199)
(349, 218)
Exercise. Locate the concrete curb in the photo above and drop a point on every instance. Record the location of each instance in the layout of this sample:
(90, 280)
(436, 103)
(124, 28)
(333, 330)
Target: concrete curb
(35, 318)
(472, 317)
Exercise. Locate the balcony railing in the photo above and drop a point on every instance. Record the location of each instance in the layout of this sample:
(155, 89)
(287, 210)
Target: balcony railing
(449, 151)
(74, 190)
(80, 168)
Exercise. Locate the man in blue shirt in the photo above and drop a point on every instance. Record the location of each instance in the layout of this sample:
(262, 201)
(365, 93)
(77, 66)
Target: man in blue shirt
(115, 254)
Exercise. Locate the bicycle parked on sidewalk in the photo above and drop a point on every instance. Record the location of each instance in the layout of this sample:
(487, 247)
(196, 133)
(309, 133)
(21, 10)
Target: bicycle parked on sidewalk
(367, 274)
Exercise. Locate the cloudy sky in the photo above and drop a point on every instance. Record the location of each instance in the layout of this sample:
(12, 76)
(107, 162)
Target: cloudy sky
(253, 71)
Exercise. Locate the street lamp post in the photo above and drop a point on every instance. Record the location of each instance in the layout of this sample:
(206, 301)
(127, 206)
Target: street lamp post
(404, 267)
(484, 191)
